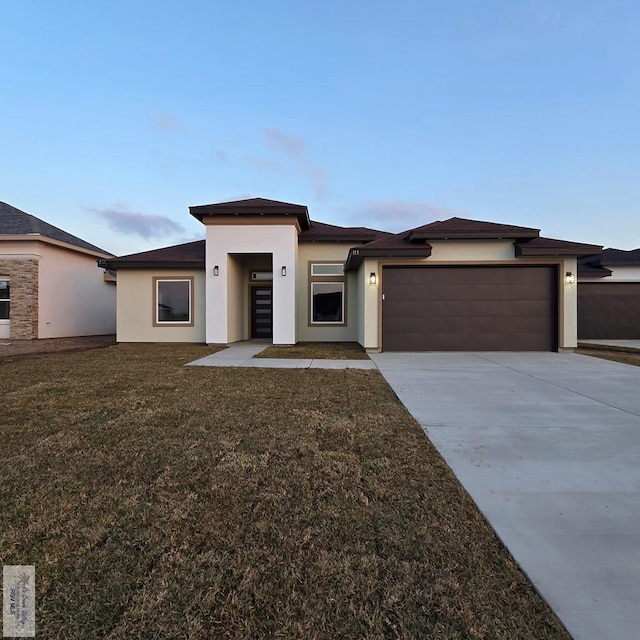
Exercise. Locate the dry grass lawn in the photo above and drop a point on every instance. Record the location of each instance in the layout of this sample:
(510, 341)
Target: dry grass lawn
(20, 349)
(317, 350)
(163, 501)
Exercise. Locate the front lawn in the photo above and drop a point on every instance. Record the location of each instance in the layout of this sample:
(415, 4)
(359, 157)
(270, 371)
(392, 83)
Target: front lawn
(163, 501)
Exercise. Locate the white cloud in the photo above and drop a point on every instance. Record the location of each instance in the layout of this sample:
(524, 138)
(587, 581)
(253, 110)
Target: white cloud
(144, 225)
(165, 122)
(398, 215)
(294, 152)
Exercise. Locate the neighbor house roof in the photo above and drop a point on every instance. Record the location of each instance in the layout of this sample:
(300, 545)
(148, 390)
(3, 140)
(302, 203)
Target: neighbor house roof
(14, 222)
(621, 257)
(180, 256)
(596, 266)
(590, 266)
(253, 207)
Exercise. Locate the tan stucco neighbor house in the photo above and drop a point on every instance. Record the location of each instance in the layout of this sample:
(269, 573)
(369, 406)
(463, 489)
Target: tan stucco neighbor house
(266, 270)
(50, 284)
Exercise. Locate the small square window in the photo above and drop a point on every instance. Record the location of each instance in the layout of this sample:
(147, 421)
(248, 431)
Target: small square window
(173, 301)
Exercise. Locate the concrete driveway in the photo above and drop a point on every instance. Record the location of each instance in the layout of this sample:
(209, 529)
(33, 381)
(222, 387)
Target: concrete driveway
(548, 445)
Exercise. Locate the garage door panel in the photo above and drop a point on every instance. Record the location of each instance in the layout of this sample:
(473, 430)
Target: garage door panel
(463, 342)
(478, 292)
(469, 308)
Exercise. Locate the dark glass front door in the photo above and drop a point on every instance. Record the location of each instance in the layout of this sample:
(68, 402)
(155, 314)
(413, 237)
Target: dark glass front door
(261, 312)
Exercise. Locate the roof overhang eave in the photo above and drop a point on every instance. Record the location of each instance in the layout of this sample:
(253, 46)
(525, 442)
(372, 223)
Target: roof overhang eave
(579, 251)
(356, 256)
(472, 235)
(299, 211)
(151, 264)
(337, 238)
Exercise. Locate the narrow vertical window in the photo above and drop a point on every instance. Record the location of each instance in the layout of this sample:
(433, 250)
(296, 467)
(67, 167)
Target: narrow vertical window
(5, 299)
(327, 294)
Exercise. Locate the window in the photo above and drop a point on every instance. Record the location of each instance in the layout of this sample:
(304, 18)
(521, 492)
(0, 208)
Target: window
(327, 301)
(261, 275)
(173, 301)
(327, 294)
(328, 269)
(4, 299)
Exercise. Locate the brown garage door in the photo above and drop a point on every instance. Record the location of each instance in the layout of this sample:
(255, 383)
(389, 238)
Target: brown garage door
(469, 309)
(609, 310)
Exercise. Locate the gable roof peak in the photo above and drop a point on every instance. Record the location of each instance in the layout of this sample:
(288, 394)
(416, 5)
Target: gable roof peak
(15, 222)
(466, 228)
(253, 207)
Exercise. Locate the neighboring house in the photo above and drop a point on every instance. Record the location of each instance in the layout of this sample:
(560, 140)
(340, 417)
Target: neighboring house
(50, 285)
(266, 270)
(609, 296)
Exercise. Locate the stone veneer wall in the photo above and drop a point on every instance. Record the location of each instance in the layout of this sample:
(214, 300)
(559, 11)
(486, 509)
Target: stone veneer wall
(23, 274)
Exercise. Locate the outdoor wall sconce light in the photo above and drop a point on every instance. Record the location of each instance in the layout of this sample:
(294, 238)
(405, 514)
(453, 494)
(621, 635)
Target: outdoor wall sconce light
(216, 271)
(570, 278)
(283, 271)
(372, 278)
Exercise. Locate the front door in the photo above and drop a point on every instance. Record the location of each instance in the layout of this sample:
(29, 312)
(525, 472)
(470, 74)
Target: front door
(261, 312)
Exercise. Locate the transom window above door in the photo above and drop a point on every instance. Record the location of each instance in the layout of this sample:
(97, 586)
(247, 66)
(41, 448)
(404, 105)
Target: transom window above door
(328, 269)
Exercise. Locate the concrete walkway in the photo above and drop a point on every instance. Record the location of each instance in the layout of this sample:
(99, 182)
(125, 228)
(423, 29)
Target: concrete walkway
(548, 445)
(242, 355)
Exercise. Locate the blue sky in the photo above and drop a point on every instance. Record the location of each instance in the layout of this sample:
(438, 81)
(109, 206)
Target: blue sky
(116, 116)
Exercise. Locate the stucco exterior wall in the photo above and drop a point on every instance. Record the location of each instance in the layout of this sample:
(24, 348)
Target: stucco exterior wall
(371, 303)
(236, 311)
(325, 252)
(568, 311)
(136, 311)
(471, 253)
(68, 295)
(224, 242)
(471, 250)
(74, 298)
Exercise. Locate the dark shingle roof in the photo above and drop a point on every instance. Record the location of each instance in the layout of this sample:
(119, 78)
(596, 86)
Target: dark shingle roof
(452, 229)
(462, 228)
(590, 266)
(14, 222)
(253, 207)
(552, 247)
(323, 232)
(596, 265)
(180, 256)
(413, 243)
(621, 257)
